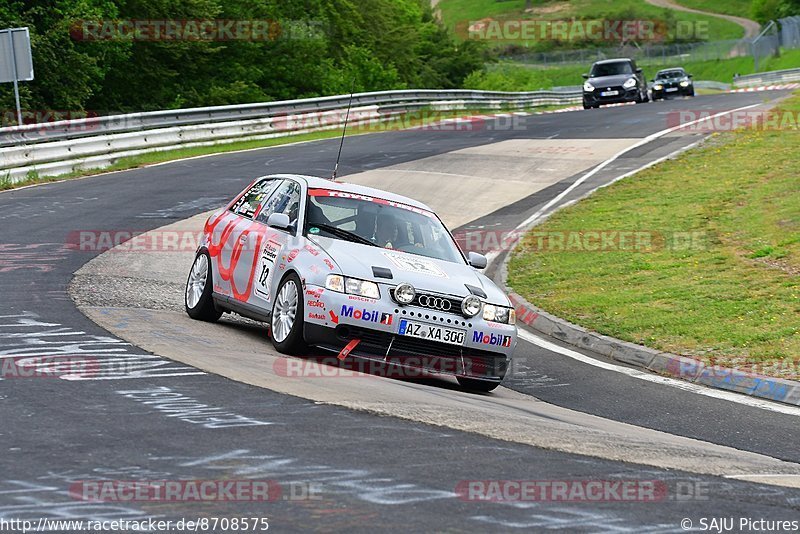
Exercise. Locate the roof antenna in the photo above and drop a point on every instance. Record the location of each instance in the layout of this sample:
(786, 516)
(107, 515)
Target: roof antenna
(344, 130)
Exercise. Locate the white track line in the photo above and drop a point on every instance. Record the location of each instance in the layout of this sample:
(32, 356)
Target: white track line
(606, 163)
(753, 402)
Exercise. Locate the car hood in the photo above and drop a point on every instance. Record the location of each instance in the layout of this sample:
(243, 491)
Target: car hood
(610, 81)
(425, 274)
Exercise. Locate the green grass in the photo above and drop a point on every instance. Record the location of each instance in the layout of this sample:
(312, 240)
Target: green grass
(407, 121)
(729, 295)
(738, 8)
(519, 77)
(457, 14)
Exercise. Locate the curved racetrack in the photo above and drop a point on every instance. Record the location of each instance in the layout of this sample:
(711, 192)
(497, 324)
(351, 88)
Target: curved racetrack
(380, 452)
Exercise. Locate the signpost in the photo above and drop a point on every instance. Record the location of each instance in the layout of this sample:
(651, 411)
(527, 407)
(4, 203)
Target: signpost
(16, 63)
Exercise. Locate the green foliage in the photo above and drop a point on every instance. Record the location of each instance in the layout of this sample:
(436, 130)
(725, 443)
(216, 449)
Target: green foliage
(766, 10)
(319, 47)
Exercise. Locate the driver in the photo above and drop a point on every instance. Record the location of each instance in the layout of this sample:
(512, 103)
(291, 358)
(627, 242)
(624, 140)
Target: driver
(385, 230)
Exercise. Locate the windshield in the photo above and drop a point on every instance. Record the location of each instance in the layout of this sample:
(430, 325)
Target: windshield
(380, 223)
(668, 74)
(611, 69)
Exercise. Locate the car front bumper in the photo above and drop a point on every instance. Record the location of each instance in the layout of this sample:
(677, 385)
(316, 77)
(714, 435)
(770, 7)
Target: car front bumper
(334, 320)
(678, 91)
(625, 95)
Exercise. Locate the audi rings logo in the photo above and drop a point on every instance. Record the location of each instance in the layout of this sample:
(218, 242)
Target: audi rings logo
(435, 303)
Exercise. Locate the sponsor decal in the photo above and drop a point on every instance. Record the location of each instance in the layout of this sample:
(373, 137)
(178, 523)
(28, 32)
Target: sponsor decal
(315, 292)
(315, 304)
(314, 269)
(318, 316)
(329, 263)
(292, 255)
(264, 270)
(415, 264)
(496, 340)
(366, 198)
(371, 316)
(360, 298)
(311, 250)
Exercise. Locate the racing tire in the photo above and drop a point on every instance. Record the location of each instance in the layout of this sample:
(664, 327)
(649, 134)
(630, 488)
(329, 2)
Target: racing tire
(691, 93)
(474, 384)
(197, 297)
(286, 323)
(587, 106)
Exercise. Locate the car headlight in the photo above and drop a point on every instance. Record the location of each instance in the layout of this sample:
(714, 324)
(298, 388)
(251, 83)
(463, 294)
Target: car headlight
(404, 293)
(471, 306)
(631, 82)
(352, 286)
(499, 314)
(588, 87)
(658, 87)
(686, 83)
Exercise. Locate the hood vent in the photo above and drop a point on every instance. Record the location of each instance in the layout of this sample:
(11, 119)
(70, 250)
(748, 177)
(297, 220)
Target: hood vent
(381, 272)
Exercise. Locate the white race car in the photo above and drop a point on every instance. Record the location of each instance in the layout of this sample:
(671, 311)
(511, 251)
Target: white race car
(357, 271)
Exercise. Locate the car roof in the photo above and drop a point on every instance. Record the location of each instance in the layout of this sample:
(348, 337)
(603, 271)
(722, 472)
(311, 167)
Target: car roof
(670, 69)
(325, 183)
(617, 60)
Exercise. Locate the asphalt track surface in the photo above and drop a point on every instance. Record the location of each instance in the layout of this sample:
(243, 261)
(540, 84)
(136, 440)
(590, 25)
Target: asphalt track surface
(371, 473)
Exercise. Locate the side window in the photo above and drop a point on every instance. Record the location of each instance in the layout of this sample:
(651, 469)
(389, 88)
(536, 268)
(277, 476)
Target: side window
(248, 203)
(284, 199)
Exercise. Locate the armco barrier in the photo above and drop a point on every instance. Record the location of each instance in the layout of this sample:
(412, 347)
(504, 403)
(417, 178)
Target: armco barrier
(768, 78)
(56, 148)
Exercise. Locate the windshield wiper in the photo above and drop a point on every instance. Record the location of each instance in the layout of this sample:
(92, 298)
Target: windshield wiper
(344, 234)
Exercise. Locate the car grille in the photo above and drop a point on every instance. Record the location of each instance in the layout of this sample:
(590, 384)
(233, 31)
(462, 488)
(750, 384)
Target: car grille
(442, 303)
(429, 355)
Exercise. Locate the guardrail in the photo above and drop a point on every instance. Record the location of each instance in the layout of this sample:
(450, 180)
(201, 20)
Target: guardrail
(768, 78)
(51, 149)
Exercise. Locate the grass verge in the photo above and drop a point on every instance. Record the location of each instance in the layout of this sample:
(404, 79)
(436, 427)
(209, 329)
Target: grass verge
(720, 280)
(408, 121)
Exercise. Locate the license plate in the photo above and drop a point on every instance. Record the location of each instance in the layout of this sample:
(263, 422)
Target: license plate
(671, 89)
(431, 332)
(609, 93)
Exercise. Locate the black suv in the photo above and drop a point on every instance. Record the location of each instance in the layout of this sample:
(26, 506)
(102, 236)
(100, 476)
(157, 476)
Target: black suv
(672, 82)
(613, 81)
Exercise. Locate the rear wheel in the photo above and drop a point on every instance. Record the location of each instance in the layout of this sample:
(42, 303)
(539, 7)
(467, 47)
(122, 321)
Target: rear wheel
(286, 324)
(198, 300)
(483, 386)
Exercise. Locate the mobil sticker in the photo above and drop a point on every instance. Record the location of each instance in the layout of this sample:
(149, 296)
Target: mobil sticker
(496, 340)
(370, 316)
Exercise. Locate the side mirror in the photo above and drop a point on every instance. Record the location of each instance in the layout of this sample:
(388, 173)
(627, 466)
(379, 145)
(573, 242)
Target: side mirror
(690, 76)
(638, 70)
(477, 260)
(279, 221)
(652, 81)
(585, 76)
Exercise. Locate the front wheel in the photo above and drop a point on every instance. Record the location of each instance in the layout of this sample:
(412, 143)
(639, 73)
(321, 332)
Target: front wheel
(286, 323)
(473, 384)
(198, 300)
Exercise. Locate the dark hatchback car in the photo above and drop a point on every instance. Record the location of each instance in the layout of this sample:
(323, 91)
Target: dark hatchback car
(672, 82)
(614, 81)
